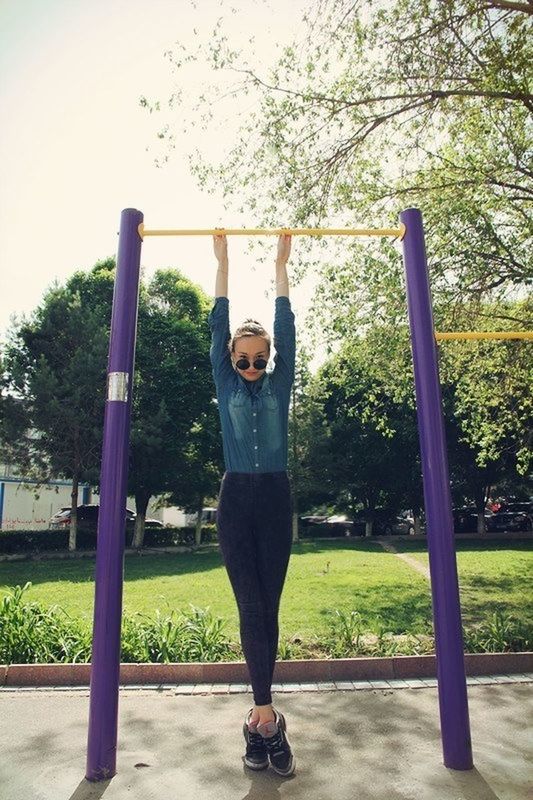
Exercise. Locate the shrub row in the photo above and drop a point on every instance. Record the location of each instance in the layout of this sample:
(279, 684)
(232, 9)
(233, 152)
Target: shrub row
(55, 540)
(31, 633)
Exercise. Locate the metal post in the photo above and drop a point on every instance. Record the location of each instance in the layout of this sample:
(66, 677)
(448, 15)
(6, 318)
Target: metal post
(453, 701)
(103, 713)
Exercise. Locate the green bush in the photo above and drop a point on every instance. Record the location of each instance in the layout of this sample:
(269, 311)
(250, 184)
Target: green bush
(175, 637)
(57, 540)
(348, 637)
(501, 633)
(167, 537)
(30, 633)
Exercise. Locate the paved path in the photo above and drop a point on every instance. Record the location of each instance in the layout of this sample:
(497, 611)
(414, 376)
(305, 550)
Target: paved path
(389, 547)
(312, 686)
(374, 744)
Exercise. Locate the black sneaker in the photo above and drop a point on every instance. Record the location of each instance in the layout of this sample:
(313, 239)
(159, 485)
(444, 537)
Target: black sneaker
(279, 750)
(256, 756)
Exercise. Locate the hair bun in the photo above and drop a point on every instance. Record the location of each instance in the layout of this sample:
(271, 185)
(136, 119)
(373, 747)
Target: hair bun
(250, 327)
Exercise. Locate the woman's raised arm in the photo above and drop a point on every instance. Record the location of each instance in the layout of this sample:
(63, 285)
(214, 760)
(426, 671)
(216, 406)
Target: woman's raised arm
(282, 279)
(220, 246)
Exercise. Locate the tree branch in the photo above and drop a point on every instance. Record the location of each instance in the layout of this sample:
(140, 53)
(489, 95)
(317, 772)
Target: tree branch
(430, 94)
(526, 8)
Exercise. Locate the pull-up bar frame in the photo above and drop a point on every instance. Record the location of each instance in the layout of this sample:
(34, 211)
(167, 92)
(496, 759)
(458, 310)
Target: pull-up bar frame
(395, 232)
(453, 702)
(484, 335)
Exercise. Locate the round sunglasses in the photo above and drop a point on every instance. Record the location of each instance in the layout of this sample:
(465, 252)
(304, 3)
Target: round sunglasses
(243, 363)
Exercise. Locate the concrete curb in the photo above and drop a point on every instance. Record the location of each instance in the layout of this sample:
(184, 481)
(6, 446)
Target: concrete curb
(285, 671)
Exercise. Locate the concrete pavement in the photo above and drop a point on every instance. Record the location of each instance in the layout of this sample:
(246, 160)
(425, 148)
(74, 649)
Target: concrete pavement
(363, 743)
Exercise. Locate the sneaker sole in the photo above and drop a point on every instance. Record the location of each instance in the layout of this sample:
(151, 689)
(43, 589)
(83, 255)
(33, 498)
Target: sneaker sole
(289, 771)
(255, 765)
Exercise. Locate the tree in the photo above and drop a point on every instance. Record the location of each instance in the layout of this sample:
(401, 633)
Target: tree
(486, 389)
(55, 383)
(54, 378)
(173, 390)
(205, 465)
(359, 448)
(16, 446)
(362, 407)
(299, 436)
(493, 395)
(438, 89)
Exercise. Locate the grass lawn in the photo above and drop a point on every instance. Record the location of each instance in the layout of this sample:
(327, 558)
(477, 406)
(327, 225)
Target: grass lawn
(493, 576)
(322, 576)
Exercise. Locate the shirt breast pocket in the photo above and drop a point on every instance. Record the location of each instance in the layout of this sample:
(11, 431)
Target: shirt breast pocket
(270, 402)
(271, 423)
(238, 408)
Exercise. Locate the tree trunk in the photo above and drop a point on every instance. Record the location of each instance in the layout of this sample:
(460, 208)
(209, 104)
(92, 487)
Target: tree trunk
(141, 504)
(198, 531)
(295, 533)
(417, 525)
(480, 506)
(369, 505)
(73, 532)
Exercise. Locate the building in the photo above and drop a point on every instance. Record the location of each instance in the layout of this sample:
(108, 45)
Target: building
(26, 504)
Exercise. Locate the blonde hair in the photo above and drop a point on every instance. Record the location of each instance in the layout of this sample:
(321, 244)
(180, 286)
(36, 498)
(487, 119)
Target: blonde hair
(250, 327)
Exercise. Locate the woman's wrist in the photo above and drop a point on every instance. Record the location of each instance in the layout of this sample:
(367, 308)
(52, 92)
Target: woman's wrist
(221, 281)
(282, 283)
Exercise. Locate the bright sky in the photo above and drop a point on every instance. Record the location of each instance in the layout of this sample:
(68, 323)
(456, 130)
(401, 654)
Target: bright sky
(74, 139)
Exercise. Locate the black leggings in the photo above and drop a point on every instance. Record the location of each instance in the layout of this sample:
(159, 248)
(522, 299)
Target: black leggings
(255, 537)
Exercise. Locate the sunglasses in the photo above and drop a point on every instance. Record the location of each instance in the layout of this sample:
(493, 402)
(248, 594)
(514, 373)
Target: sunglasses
(243, 363)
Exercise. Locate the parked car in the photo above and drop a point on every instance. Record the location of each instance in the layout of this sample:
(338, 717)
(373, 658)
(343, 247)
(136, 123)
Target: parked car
(518, 507)
(336, 525)
(385, 522)
(339, 525)
(465, 519)
(400, 525)
(312, 520)
(309, 521)
(509, 521)
(88, 517)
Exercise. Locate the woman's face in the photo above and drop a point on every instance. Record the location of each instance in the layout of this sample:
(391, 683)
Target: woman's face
(251, 348)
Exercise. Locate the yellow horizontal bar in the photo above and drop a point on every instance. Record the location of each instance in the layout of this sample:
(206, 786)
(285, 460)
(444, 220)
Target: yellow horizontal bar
(485, 335)
(398, 232)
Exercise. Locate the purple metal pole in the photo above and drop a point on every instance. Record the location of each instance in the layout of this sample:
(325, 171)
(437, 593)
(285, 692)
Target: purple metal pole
(453, 701)
(103, 713)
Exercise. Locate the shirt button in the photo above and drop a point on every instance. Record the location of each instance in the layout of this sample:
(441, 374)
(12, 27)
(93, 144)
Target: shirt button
(255, 430)
(257, 465)
(255, 413)
(255, 447)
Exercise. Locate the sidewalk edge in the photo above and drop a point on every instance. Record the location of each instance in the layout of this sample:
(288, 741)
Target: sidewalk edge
(299, 671)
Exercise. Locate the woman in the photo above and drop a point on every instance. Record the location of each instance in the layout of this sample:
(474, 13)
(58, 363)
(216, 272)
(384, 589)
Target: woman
(254, 506)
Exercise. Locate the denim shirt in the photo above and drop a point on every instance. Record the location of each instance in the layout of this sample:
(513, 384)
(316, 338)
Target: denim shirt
(254, 414)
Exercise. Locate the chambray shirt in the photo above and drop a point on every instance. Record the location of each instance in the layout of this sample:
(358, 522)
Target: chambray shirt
(254, 414)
